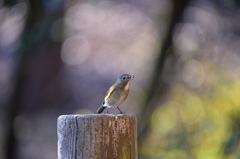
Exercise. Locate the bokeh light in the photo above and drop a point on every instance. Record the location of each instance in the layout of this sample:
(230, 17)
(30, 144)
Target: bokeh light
(60, 57)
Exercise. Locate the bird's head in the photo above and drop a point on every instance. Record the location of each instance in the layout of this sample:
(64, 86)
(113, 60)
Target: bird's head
(124, 81)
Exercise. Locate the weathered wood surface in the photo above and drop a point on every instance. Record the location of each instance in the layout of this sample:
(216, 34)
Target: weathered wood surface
(94, 136)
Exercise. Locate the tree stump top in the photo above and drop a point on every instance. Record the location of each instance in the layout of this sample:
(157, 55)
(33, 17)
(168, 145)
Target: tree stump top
(97, 136)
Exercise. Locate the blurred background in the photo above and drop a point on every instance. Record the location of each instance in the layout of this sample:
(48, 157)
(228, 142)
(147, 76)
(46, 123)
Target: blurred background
(60, 56)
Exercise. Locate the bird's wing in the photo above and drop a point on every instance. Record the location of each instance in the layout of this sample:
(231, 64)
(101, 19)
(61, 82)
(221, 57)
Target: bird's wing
(109, 93)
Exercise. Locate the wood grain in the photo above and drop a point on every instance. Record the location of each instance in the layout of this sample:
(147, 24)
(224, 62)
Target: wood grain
(97, 136)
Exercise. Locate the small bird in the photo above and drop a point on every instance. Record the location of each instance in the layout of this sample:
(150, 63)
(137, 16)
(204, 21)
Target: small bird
(117, 93)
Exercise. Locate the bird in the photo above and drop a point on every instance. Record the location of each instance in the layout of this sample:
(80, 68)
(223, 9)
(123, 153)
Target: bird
(116, 94)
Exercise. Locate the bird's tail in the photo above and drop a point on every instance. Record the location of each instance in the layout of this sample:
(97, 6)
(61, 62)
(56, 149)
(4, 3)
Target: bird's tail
(101, 109)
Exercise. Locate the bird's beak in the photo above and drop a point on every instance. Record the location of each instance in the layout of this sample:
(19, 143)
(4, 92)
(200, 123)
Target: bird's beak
(132, 77)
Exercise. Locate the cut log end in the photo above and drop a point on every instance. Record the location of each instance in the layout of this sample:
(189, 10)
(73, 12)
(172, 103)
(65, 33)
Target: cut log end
(97, 136)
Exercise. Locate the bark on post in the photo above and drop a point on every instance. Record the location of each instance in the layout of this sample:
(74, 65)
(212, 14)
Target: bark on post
(95, 136)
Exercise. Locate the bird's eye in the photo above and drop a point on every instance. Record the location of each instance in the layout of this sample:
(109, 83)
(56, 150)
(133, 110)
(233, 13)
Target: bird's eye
(124, 78)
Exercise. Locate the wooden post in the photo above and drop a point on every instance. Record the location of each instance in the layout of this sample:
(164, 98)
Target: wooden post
(94, 136)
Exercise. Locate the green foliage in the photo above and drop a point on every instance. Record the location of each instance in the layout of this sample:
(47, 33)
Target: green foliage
(192, 125)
